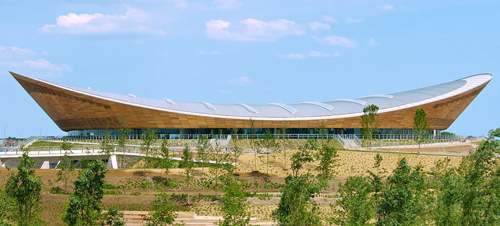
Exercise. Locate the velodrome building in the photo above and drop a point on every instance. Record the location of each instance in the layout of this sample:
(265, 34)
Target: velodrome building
(85, 112)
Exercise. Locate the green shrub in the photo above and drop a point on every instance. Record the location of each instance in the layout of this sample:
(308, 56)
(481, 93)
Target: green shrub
(56, 190)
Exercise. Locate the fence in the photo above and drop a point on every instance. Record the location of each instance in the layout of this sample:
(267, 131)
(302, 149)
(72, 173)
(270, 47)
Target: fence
(190, 139)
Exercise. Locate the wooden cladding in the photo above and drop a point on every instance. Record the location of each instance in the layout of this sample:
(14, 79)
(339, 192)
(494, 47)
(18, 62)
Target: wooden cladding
(76, 111)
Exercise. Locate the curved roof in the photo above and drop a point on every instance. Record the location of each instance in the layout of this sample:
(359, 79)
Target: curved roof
(296, 111)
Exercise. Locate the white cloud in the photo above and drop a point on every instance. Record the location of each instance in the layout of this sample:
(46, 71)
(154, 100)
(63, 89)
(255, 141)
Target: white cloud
(317, 26)
(354, 20)
(388, 7)
(241, 81)
(340, 41)
(309, 55)
(132, 21)
(26, 60)
(13, 53)
(252, 30)
(227, 4)
(43, 65)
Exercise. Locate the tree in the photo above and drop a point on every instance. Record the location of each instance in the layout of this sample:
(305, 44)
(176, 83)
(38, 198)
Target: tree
(403, 200)
(106, 144)
(65, 165)
(163, 213)
(478, 199)
(450, 192)
(495, 133)
(202, 147)
(113, 217)
(219, 157)
(148, 139)
(66, 146)
(84, 206)
(447, 134)
(492, 197)
(326, 155)
(303, 156)
(234, 204)
(283, 144)
(355, 206)
(254, 143)
(369, 123)
(165, 161)
(187, 162)
(6, 209)
(376, 178)
(296, 206)
(236, 150)
(420, 126)
(122, 142)
(24, 188)
(270, 145)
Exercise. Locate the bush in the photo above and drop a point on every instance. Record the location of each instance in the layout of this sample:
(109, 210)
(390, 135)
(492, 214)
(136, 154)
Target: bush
(57, 190)
(110, 186)
(113, 217)
(162, 211)
(165, 182)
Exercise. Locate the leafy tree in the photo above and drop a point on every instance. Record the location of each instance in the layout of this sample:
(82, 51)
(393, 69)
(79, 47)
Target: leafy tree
(113, 217)
(478, 169)
(283, 144)
(492, 197)
(122, 138)
(165, 161)
(6, 209)
(376, 179)
(254, 144)
(122, 142)
(106, 143)
(450, 193)
(202, 147)
(296, 206)
(447, 134)
(65, 165)
(369, 123)
(66, 146)
(269, 144)
(24, 188)
(148, 139)
(403, 200)
(303, 156)
(327, 158)
(355, 206)
(420, 126)
(234, 204)
(495, 133)
(220, 157)
(187, 162)
(163, 213)
(236, 150)
(84, 206)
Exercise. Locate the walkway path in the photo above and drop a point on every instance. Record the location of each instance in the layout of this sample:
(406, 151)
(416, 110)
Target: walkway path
(136, 218)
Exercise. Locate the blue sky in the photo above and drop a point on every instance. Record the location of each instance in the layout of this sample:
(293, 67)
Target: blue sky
(227, 51)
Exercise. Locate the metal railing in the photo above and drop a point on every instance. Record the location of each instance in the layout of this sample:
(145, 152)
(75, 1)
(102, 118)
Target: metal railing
(276, 136)
(378, 139)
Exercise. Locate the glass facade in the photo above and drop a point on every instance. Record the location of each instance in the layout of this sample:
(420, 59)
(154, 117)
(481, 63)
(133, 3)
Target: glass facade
(194, 133)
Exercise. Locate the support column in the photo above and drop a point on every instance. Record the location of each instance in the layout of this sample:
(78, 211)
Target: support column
(45, 165)
(2, 164)
(112, 162)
